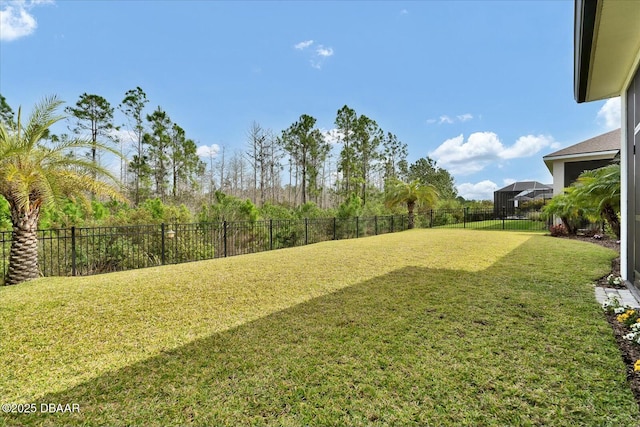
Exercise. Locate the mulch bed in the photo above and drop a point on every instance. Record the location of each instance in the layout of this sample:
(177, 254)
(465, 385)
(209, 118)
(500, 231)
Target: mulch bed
(630, 352)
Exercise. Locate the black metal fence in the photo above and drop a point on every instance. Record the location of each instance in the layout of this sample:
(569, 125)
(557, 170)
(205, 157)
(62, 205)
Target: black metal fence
(84, 251)
(484, 219)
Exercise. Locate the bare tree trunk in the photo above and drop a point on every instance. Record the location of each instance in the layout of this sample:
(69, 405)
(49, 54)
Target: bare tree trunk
(222, 183)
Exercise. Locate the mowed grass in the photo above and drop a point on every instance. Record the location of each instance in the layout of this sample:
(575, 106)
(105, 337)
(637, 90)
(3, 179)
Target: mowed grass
(423, 327)
(507, 224)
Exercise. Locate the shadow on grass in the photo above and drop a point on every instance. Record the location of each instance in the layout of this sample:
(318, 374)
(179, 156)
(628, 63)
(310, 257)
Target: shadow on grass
(419, 346)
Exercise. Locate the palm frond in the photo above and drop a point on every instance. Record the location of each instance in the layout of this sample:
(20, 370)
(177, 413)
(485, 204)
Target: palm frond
(34, 174)
(42, 118)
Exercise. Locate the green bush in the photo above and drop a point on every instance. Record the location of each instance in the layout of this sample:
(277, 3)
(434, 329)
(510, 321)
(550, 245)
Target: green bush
(5, 215)
(350, 208)
(271, 211)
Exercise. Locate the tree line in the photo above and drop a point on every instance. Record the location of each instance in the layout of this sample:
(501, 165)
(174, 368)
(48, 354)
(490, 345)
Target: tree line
(293, 166)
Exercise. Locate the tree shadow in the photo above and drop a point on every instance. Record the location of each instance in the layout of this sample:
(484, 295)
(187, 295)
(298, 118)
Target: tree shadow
(415, 346)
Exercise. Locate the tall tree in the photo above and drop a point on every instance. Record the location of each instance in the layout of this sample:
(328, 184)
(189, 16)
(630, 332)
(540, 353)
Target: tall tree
(93, 114)
(413, 194)
(394, 156)
(158, 141)
(273, 165)
(427, 171)
(305, 144)
(319, 153)
(346, 122)
(210, 152)
(133, 106)
(236, 174)
(184, 162)
(258, 157)
(222, 165)
(34, 174)
(367, 138)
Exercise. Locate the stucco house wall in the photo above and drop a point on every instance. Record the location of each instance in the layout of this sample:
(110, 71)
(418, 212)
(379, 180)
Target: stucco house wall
(567, 164)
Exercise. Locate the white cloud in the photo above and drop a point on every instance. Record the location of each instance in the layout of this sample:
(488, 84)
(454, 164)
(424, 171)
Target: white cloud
(507, 181)
(208, 150)
(324, 51)
(303, 45)
(445, 119)
(462, 157)
(528, 145)
(317, 56)
(16, 19)
(482, 190)
(609, 114)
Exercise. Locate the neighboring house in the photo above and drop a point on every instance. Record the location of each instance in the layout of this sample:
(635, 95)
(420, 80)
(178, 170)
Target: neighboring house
(606, 65)
(507, 199)
(567, 164)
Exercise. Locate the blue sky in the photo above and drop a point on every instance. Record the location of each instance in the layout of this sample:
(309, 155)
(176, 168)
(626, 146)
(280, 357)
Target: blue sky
(484, 88)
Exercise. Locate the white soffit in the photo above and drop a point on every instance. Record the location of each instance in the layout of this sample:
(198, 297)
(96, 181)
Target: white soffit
(616, 45)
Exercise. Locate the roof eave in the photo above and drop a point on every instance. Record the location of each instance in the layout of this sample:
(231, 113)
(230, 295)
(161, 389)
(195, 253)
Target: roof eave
(584, 30)
(603, 154)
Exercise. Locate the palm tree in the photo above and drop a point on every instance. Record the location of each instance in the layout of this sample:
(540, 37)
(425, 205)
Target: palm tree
(414, 194)
(565, 207)
(34, 174)
(600, 188)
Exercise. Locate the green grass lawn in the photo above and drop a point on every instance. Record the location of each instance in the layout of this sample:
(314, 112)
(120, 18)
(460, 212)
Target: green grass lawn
(423, 327)
(507, 224)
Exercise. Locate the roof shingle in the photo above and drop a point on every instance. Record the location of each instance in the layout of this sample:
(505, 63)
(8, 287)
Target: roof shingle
(609, 141)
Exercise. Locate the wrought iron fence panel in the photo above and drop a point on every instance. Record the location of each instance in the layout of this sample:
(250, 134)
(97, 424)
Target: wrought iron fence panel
(93, 250)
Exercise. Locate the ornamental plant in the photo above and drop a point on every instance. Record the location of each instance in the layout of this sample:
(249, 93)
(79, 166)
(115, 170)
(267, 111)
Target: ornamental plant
(614, 280)
(629, 317)
(558, 230)
(636, 366)
(634, 335)
(612, 305)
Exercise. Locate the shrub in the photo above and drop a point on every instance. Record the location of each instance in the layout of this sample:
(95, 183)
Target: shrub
(350, 208)
(558, 230)
(534, 216)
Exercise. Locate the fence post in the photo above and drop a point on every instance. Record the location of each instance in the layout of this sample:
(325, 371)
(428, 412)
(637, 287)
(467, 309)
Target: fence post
(357, 227)
(504, 215)
(271, 234)
(224, 237)
(392, 223)
(464, 218)
(335, 235)
(306, 231)
(73, 251)
(375, 225)
(162, 258)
